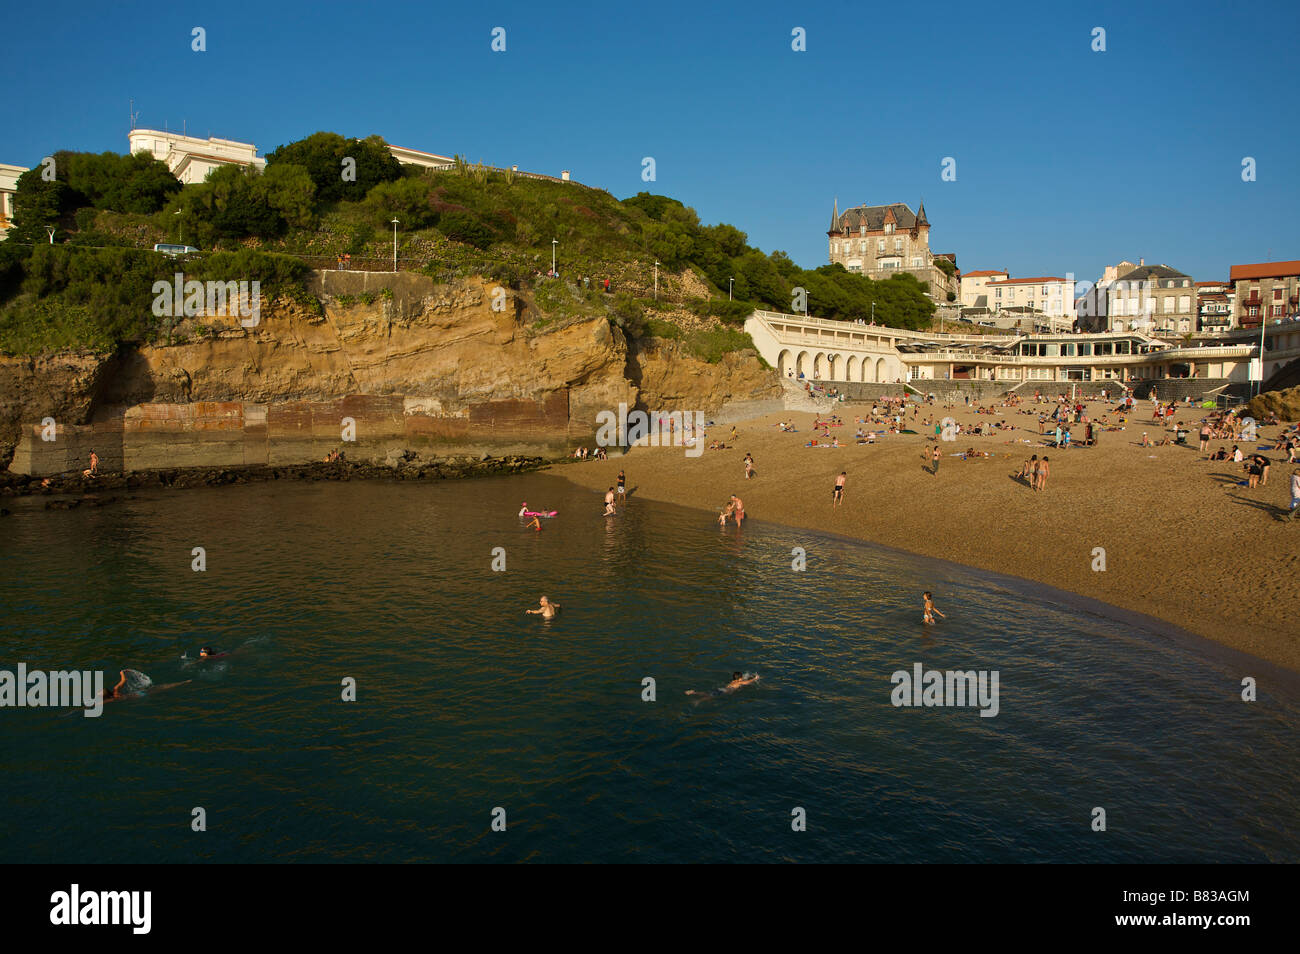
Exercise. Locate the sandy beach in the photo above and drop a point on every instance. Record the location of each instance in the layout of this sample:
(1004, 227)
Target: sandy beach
(1183, 542)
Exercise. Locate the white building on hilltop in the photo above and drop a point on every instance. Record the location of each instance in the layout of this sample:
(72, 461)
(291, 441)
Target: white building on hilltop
(8, 186)
(189, 158)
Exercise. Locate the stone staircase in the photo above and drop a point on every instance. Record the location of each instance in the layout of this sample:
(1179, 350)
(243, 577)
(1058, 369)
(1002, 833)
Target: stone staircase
(796, 398)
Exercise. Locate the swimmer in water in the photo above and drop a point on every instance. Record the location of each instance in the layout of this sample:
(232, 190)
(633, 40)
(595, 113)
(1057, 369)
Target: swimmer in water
(534, 524)
(109, 695)
(523, 509)
(929, 608)
(547, 609)
(738, 680)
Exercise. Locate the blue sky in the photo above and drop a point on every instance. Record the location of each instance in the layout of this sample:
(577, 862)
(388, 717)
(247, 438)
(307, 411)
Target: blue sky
(1066, 159)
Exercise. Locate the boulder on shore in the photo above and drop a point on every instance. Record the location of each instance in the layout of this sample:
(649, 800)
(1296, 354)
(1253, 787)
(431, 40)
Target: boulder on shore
(1285, 404)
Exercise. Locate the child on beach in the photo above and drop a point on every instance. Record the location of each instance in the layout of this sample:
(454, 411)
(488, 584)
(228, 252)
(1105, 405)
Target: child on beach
(930, 609)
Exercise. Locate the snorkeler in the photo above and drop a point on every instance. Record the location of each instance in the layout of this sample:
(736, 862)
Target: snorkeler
(547, 609)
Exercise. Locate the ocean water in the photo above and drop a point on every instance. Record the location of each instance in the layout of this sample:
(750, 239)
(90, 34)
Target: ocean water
(465, 704)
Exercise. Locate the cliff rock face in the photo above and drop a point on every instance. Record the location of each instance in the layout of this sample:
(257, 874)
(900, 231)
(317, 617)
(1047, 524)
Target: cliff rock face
(393, 361)
(61, 386)
(668, 379)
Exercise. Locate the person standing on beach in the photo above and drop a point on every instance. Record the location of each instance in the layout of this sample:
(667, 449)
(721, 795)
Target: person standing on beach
(93, 469)
(1044, 470)
(935, 457)
(839, 489)
(1205, 436)
(1295, 494)
(622, 486)
(749, 466)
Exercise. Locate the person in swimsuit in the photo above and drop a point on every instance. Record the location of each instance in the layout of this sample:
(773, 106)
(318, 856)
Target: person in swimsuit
(534, 524)
(930, 608)
(727, 511)
(609, 500)
(737, 681)
(93, 469)
(523, 509)
(622, 486)
(749, 466)
(739, 506)
(839, 488)
(546, 609)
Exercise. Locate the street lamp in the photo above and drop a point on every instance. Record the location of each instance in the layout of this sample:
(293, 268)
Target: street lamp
(554, 242)
(180, 229)
(656, 279)
(51, 230)
(730, 282)
(394, 244)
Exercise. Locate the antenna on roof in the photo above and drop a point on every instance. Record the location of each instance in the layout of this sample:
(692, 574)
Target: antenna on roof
(133, 113)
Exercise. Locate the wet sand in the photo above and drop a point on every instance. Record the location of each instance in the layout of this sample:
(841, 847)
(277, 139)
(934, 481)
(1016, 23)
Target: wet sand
(1183, 542)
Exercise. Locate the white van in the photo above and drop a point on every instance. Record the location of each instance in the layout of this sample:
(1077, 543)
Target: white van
(175, 251)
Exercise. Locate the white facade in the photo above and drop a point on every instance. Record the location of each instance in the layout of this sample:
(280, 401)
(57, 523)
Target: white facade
(974, 287)
(189, 158)
(1053, 297)
(8, 186)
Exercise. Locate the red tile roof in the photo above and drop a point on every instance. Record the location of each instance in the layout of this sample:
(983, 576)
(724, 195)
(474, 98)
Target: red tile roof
(982, 273)
(1264, 270)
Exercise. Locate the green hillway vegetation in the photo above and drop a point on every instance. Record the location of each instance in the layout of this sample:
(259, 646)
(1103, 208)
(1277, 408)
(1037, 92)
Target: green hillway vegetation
(92, 288)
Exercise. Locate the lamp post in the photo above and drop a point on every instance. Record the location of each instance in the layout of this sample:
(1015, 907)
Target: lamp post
(656, 279)
(554, 242)
(730, 282)
(51, 230)
(180, 229)
(394, 244)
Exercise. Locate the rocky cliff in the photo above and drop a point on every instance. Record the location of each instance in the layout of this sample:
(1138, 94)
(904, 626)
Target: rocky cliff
(389, 361)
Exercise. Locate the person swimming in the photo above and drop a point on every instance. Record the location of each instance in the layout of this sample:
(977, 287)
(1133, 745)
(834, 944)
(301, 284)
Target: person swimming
(109, 695)
(546, 609)
(738, 681)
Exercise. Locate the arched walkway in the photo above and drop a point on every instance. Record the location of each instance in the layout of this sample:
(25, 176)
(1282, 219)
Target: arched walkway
(819, 367)
(801, 364)
(882, 369)
(851, 367)
(783, 362)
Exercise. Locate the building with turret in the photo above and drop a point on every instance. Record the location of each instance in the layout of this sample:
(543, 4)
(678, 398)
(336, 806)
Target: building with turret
(880, 241)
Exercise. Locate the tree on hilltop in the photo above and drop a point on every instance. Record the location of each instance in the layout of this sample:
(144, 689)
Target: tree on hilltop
(323, 155)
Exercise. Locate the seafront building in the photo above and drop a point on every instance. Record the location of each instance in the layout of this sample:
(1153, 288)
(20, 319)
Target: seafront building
(1152, 298)
(880, 241)
(8, 186)
(1214, 301)
(1265, 292)
(822, 350)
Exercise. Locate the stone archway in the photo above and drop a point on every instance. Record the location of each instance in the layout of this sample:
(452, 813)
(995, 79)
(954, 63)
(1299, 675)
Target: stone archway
(850, 367)
(801, 364)
(783, 362)
(882, 370)
(819, 367)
